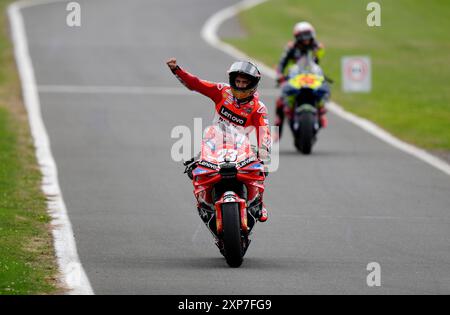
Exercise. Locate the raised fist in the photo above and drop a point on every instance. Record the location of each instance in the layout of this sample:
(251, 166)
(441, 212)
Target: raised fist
(172, 63)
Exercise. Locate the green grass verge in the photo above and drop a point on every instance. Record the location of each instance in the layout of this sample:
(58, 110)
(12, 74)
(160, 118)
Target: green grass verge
(27, 260)
(410, 54)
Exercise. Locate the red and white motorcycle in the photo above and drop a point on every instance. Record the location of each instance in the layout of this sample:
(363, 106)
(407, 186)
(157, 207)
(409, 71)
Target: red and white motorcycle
(228, 183)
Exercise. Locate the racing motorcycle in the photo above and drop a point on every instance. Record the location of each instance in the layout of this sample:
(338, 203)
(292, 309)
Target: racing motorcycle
(228, 181)
(305, 88)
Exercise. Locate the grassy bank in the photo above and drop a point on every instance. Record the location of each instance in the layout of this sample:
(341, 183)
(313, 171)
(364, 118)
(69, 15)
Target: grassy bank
(27, 261)
(410, 54)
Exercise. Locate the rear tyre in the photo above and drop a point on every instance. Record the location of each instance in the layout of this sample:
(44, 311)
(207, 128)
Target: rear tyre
(232, 234)
(304, 139)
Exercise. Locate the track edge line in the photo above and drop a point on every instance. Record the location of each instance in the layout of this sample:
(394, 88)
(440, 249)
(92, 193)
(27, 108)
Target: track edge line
(71, 270)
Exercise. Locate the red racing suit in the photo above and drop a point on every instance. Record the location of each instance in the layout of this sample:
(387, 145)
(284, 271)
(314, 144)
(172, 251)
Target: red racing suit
(250, 114)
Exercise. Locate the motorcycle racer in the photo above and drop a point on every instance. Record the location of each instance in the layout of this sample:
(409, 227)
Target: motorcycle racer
(236, 103)
(304, 42)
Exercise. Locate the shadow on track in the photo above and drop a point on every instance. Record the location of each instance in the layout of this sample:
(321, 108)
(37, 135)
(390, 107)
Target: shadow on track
(317, 153)
(208, 263)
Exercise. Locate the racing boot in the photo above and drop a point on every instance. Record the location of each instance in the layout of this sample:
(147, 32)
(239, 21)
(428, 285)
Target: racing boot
(263, 214)
(259, 211)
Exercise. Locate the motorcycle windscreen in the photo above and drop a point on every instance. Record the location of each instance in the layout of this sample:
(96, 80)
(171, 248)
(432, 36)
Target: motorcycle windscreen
(224, 142)
(306, 64)
(306, 73)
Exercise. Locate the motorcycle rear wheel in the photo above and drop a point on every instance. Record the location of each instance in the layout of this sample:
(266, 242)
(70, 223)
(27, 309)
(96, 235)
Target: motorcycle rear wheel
(232, 234)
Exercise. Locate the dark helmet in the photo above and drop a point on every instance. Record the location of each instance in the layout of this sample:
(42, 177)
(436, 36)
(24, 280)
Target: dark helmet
(251, 72)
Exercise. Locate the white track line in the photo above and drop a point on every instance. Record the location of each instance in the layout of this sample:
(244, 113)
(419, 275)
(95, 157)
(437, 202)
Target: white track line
(74, 276)
(380, 133)
(134, 90)
(209, 34)
(137, 90)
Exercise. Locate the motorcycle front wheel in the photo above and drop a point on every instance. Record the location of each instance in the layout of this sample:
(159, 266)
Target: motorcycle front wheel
(232, 238)
(304, 138)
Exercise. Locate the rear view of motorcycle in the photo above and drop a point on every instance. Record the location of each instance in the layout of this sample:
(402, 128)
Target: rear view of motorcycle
(306, 91)
(228, 182)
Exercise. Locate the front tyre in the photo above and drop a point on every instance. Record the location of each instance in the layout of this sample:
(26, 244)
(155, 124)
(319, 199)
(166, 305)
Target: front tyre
(304, 139)
(232, 234)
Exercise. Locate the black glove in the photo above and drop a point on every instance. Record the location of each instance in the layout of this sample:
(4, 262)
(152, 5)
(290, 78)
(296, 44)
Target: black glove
(190, 165)
(264, 157)
(190, 169)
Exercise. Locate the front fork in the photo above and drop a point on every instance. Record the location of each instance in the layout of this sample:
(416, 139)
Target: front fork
(231, 197)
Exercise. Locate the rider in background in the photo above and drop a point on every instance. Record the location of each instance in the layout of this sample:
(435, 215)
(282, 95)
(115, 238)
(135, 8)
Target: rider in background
(236, 103)
(304, 42)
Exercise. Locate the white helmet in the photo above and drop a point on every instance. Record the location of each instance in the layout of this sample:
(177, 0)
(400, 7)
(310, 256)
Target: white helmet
(304, 31)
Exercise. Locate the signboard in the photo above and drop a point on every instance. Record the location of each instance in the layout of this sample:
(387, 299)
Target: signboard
(356, 74)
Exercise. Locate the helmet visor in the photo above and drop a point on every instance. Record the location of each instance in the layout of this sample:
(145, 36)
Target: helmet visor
(304, 36)
(245, 68)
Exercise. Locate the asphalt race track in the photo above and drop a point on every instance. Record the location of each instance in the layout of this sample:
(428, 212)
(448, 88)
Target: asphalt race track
(355, 200)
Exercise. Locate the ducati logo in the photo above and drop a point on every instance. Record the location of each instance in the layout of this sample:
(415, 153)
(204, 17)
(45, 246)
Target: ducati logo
(248, 109)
